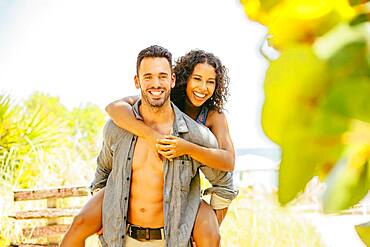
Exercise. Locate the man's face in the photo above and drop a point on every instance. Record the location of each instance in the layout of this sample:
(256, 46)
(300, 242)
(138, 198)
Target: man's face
(155, 79)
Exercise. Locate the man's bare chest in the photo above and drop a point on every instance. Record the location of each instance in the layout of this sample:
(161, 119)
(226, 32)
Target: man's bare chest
(146, 159)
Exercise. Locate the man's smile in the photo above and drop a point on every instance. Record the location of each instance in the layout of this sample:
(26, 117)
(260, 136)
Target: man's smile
(155, 92)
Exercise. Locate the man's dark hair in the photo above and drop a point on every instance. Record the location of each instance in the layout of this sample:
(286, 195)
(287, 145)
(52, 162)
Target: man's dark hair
(184, 68)
(153, 51)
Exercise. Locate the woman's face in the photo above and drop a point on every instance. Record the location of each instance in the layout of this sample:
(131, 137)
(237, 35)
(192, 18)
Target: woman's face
(201, 84)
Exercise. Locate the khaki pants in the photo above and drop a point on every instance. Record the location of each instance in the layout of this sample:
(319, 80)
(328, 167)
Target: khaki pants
(131, 242)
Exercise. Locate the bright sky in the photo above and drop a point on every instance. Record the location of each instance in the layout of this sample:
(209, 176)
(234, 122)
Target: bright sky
(85, 51)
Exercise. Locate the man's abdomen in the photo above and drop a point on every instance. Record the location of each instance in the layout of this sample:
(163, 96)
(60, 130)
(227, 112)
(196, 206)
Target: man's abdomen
(146, 202)
(146, 192)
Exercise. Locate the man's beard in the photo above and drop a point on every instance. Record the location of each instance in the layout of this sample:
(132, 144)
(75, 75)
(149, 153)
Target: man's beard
(153, 102)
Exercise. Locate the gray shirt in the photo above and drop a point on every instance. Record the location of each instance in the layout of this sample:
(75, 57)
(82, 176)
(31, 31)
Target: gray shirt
(181, 195)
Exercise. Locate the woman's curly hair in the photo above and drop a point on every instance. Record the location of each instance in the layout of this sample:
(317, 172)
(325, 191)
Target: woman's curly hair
(184, 68)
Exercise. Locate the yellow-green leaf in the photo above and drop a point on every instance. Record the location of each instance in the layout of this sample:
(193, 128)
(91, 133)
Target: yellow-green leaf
(292, 91)
(347, 184)
(349, 98)
(363, 231)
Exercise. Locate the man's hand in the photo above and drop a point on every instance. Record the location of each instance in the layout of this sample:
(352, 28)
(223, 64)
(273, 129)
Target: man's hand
(220, 214)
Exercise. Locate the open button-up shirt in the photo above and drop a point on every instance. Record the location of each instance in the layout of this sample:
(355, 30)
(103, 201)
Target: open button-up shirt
(181, 195)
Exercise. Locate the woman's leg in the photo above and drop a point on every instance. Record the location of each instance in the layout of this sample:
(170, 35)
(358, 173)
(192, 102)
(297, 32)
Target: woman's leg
(206, 232)
(86, 223)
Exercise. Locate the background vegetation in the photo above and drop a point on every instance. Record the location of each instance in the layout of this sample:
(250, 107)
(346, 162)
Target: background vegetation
(42, 143)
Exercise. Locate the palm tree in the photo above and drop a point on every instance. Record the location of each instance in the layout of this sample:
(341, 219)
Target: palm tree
(25, 135)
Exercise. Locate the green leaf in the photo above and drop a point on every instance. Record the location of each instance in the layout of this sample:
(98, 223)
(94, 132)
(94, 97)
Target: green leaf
(338, 37)
(349, 98)
(297, 166)
(268, 4)
(363, 231)
(304, 155)
(350, 61)
(364, 17)
(329, 123)
(294, 174)
(357, 2)
(292, 91)
(347, 184)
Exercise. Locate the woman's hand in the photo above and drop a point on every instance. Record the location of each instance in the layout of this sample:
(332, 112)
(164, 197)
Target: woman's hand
(171, 146)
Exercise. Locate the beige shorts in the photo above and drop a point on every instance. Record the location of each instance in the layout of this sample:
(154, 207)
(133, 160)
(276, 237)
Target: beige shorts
(131, 242)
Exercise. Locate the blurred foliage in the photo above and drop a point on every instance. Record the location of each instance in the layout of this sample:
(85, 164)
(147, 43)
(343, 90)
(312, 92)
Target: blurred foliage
(317, 90)
(39, 138)
(299, 21)
(317, 105)
(363, 231)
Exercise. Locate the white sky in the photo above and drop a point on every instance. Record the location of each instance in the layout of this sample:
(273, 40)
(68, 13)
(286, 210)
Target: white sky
(85, 51)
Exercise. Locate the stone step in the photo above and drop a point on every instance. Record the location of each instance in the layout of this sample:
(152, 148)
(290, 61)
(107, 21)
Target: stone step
(34, 245)
(45, 213)
(59, 192)
(45, 231)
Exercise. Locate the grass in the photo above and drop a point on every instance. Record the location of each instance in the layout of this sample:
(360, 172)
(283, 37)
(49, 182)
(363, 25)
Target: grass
(256, 220)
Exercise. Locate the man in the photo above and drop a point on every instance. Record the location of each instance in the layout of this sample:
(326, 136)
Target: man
(147, 198)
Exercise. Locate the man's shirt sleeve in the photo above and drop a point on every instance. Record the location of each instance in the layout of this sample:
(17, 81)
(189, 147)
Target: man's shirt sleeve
(104, 160)
(222, 182)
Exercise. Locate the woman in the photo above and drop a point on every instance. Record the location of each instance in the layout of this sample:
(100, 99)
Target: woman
(201, 90)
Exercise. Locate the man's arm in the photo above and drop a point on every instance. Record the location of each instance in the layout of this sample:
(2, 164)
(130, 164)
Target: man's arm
(222, 181)
(222, 191)
(104, 160)
(222, 185)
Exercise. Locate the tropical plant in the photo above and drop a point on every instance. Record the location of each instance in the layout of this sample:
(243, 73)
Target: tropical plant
(23, 134)
(41, 136)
